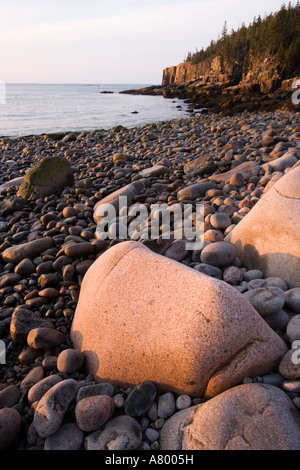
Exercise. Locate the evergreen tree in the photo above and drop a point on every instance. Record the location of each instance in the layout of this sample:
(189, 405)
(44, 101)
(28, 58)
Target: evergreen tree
(277, 36)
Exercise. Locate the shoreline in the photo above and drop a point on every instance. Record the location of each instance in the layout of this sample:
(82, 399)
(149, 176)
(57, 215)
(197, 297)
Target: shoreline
(226, 163)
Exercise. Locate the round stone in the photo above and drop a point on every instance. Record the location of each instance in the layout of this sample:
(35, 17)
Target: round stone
(67, 437)
(151, 434)
(292, 299)
(96, 389)
(9, 396)
(266, 300)
(45, 338)
(209, 270)
(220, 221)
(69, 211)
(278, 321)
(140, 399)
(166, 405)
(252, 274)
(52, 407)
(289, 365)
(33, 377)
(183, 402)
(121, 433)
(212, 236)
(37, 391)
(25, 266)
(70, 360)
(218, 254)
(277, 282)
(93, 412)
(233, 275)
(10, 424)
(237, 179)
(293, 329)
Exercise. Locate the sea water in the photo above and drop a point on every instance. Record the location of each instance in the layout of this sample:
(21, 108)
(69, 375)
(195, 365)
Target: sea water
(27, 109)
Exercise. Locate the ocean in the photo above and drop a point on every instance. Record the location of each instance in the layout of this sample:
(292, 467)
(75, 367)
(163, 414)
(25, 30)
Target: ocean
(27, 109)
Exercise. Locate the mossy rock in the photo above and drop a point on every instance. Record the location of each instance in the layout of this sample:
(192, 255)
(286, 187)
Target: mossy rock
(50, 176)
(56, 135)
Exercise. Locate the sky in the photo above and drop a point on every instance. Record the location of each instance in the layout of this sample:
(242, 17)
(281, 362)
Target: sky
(111, 41)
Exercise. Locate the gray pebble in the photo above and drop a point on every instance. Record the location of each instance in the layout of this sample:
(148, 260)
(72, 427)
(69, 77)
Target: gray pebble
(277, 282)
(183, 401)
(94, 390)
(9, 396)
(159, 423)
(218, 254)
(152, 413)
(253, 274)
(118, 400)
(209, 270)
(51, 408)
(151, 434)
(124, 428)
(292, 299)
(140, 399)
(275, 379)
(37, 391)
(166, 405)
(220, 221)
(70, 360)
(289, 365)
(242, 287)
(293, 329)
(278, 320)
(10, 424)
(67, 437)
(33, 377)
(266, 300)
(232, 275)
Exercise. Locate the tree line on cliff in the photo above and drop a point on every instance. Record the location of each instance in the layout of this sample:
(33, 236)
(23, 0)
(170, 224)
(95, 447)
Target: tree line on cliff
(277, 36)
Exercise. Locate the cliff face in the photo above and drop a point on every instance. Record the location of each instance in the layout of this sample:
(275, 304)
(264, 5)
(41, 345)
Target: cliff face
(217, 84)
(262, 75)
(208, 71)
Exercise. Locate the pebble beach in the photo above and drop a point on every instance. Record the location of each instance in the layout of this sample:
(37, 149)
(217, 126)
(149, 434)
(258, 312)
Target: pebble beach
(40, 284)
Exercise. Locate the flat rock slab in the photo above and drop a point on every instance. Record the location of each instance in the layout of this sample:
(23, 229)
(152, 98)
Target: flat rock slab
(128, 191)
(142, 316)
(246, 169)
(17, 253)
(268, 236)
(156, 170)
(246, 417)
(194, 191)
(14, 182)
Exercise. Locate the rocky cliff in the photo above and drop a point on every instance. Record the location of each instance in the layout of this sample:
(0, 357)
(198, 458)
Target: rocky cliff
(227, 86)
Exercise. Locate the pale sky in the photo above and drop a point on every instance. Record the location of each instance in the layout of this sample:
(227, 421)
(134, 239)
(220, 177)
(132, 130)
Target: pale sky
(111, 41)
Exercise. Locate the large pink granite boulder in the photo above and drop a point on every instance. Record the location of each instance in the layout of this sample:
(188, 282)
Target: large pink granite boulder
(268, 237)
(247, 417)
(142, 316)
